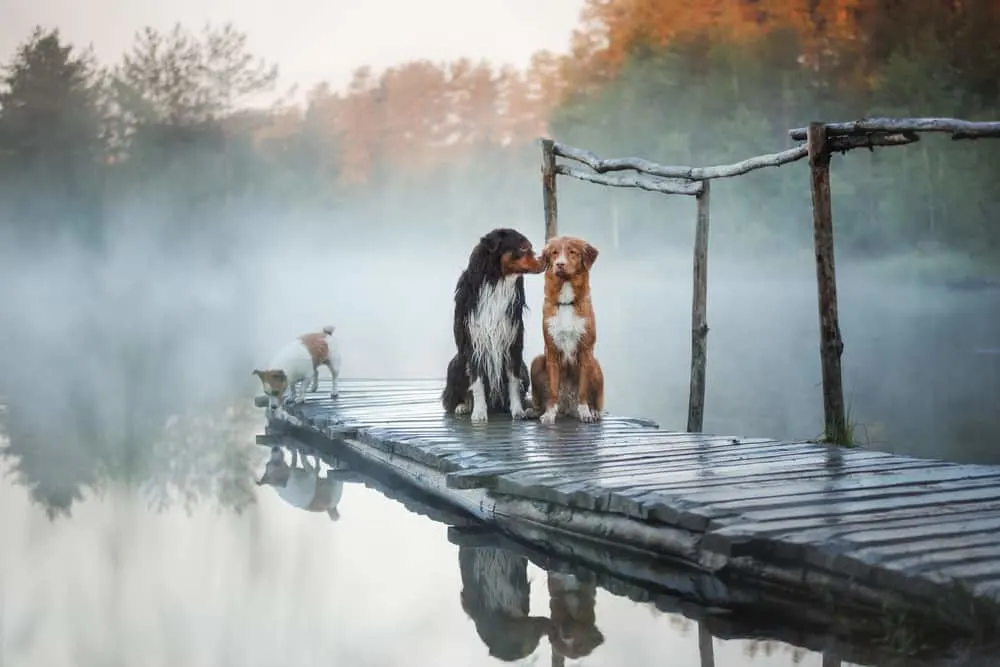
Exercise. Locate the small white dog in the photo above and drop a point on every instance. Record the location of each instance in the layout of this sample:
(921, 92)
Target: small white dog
(300, 485)
(296, 367)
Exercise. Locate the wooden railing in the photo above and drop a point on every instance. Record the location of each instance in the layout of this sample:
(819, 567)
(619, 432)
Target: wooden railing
(821, 141)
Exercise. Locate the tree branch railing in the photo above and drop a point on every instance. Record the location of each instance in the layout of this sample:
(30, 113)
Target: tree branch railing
(820, 142)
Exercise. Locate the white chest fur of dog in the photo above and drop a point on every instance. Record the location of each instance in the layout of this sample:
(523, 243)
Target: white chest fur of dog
(493, 331)
(295, 360)
(566, 327)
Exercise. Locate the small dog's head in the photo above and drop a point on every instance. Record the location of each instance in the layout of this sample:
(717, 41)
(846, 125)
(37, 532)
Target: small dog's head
(513, 250)
(277, 471)
(274, 382)
(566, 257)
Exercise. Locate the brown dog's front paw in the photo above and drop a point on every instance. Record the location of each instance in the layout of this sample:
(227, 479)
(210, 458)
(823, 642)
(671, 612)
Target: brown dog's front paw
(531, 413)
(585, 414)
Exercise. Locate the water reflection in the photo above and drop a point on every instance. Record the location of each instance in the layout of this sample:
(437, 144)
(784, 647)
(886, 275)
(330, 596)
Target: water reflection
(183, 458)
(300, 484)
(496, 596)
(128, 581)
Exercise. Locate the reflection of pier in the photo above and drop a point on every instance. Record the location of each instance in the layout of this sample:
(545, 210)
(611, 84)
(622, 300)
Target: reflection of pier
(707, 508)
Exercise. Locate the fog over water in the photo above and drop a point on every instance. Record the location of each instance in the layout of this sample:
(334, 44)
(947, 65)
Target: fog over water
(144, 280)
(144, 364)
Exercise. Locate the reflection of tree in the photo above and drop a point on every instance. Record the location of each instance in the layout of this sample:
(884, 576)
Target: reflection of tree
(205, 458)
(188, 459)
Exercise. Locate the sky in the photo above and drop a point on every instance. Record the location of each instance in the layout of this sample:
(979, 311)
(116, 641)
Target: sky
(314, 40)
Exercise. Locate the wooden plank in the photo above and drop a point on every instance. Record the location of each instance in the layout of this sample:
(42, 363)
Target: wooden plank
(839, 507)
(745, 532)
(733, 541)
(888, 555)
(836, 491)
(629, 499)
(663, 462)
(600, 462)
(631, 461)
(758, 476)
(668, 510)
(934, 559)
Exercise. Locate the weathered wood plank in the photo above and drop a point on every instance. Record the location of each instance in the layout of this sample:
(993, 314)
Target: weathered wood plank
(745, 532)
(631, 458)
(659, 464)
(807, 495)
(957, 128)
(631, 498)
(761, 476)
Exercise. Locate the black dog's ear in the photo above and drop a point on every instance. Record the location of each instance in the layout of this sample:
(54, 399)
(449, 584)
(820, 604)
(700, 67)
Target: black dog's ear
(491, 242)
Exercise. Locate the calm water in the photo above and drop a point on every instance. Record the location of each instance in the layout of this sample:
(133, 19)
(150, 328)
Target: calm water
(172, 573)
(120, 583)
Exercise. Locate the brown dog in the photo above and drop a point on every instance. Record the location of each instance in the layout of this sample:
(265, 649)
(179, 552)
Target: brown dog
(567, 378)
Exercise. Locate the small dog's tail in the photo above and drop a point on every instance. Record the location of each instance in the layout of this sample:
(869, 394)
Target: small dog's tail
(328, 330)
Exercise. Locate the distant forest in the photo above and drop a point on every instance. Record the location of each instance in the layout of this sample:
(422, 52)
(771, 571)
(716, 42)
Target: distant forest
(166, 139)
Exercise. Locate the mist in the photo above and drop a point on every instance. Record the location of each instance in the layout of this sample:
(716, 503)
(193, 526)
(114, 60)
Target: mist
(104, 349)
(160, 238)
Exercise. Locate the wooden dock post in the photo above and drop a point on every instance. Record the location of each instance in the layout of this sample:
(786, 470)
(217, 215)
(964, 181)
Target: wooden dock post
(699, 316)
(831, 345)
(549, 189)
(706, 647)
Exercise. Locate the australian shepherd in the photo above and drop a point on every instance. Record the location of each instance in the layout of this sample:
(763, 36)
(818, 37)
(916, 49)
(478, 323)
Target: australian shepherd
(488, 373)
(566, 378)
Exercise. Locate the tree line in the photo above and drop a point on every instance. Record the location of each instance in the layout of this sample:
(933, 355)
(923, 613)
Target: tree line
(724, 80)
(178, 125)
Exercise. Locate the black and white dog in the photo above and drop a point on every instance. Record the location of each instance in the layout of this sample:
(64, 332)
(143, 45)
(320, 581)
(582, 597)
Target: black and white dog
(488, 373)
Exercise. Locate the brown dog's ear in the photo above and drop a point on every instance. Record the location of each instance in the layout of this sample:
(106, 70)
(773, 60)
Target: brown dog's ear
(280, 374)
(590, 254)
(259, 373)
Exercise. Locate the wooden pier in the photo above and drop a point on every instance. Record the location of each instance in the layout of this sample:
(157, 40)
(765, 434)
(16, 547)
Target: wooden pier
(847, 527)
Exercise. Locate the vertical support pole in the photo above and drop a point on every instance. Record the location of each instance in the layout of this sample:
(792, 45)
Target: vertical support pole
(549, 189)
(831, 659)
(699, 316)
(706, 649)
(831, 345)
